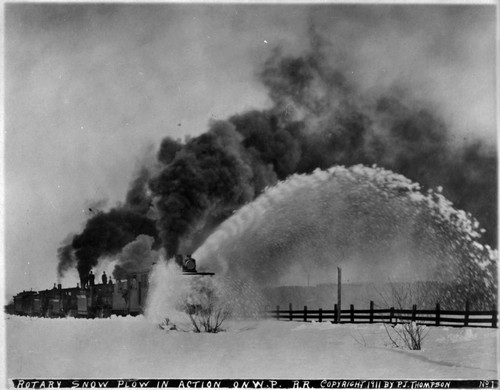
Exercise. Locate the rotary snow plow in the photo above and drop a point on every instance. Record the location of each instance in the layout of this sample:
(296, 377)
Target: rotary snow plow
(188, 265)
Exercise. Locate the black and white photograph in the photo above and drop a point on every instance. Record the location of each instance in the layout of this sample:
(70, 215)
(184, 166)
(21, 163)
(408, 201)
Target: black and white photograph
(250, 194)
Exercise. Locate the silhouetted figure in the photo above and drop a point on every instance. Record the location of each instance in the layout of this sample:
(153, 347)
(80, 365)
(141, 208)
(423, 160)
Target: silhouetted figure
(55, 288)
(104, 278)
(91, 278)
(110, 280)
(85, 281)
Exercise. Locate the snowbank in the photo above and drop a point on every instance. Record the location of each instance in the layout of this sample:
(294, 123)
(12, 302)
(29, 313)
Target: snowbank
(132, 347)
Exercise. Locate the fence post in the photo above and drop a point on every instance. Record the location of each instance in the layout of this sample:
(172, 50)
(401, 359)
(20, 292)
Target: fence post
(290, 311)
(414, 313)
(392, 315)
(438, 314)
(305, 313)
(339, 293)
(371, 312)
(494, 317)
(337, 314)
(320, 314)
(278, 312)
(352, 313)
(466, 314)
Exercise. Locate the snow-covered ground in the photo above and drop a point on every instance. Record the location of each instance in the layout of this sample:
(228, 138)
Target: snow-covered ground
(128, 347)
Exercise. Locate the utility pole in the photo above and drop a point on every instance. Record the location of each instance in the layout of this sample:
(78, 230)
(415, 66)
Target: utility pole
(339, 293)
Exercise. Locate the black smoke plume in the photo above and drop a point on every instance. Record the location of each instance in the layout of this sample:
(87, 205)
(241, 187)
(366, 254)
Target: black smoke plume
(66, 256)
(138, 197)
(204, 182)
(106, 233)
(319, 118)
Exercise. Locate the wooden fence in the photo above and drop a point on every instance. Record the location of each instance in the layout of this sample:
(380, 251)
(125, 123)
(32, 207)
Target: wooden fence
(436, 317)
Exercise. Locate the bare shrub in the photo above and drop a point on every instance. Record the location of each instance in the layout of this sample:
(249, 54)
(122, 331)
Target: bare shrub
(206, 307)
(407, 334)
(208, 319)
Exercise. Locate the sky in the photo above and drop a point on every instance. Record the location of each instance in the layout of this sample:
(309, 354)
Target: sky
(92, 89)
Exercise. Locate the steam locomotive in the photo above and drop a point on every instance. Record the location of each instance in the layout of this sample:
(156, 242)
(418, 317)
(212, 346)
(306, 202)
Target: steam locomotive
(124, 297)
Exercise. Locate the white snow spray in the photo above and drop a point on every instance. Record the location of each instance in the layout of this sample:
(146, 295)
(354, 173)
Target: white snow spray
(377, 225)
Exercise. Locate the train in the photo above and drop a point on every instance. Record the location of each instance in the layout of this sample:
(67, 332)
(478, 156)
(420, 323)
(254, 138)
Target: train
(124, 297)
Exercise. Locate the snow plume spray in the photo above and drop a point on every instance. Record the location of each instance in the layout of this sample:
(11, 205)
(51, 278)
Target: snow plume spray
(375, 224)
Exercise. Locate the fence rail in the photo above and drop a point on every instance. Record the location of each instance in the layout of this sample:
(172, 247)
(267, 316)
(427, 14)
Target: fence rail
(436, 317)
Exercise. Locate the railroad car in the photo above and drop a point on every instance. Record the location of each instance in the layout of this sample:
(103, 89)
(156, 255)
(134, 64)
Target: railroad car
(124, 297)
